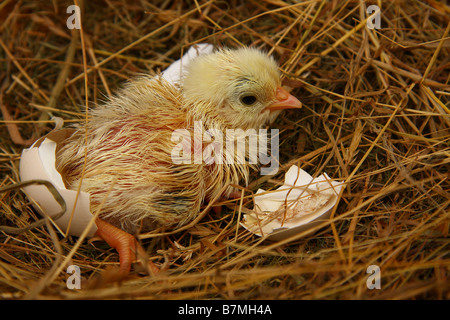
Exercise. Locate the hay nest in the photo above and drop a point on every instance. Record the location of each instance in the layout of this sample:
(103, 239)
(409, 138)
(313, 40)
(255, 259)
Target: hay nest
(376, 116)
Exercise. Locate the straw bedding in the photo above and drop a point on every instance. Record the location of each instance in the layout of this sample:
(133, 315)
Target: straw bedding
(375, 116)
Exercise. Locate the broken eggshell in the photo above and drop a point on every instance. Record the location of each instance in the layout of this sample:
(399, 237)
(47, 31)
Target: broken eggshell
(175, 71)
(299, 205)
(38, 162)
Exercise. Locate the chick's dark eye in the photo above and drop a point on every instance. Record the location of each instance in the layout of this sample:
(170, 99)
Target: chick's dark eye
(248, 100)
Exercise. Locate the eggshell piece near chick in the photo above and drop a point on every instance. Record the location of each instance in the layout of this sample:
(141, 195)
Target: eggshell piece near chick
(174, 72)
(299, 205)
(38, 162)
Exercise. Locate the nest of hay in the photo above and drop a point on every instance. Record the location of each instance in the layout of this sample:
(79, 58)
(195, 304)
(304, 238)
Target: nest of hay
(375, 116)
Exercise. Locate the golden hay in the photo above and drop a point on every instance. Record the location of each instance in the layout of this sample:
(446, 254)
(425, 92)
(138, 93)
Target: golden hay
(376, 115)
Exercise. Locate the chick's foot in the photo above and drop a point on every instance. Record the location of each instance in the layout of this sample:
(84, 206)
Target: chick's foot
(125, 244)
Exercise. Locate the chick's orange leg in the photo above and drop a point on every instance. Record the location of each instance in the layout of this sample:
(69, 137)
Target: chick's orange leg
(124, 243)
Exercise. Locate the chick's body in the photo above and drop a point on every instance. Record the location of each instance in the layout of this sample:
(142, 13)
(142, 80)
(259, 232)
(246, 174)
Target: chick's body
(128, 159)
(124, 152)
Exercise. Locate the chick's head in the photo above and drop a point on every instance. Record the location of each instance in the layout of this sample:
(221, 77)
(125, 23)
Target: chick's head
(235, 88)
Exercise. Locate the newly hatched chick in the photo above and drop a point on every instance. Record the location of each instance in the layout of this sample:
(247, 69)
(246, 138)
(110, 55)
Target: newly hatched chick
(127, 143)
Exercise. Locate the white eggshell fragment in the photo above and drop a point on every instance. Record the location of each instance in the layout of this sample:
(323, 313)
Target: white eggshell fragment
(175, 71)
(38, 162)
(300, 204)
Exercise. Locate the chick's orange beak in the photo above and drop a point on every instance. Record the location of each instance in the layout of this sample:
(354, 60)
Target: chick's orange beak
(284, 100)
